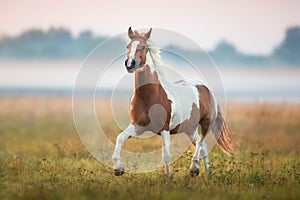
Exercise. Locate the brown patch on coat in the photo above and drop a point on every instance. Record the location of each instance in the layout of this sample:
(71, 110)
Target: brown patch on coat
(149, 92)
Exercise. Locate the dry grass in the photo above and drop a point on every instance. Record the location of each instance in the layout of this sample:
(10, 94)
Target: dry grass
(272, 126)
(41, 157)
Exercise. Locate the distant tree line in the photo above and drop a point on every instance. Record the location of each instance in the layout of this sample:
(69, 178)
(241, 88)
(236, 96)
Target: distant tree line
(58, 43)
(287, 53)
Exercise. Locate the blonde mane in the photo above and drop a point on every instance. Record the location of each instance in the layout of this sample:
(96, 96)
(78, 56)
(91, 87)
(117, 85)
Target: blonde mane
(153, 57)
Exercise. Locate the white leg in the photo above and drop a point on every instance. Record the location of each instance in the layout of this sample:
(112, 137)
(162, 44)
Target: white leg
(122, 137)
(166, 151)
(194, 168)
(204, 155)
(194, 137)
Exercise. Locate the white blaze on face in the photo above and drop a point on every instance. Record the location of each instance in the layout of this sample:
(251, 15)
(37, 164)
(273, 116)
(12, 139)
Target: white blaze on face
(134, 46)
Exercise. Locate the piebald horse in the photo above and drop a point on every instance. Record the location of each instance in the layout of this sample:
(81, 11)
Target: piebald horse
(187, 104)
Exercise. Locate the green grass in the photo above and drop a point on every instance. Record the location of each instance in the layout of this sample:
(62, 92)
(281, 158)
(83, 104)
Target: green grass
(41, 157)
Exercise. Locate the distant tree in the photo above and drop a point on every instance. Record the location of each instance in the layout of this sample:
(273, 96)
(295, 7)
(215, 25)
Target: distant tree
(225, 53)
(225, 47)
(32, 35)
(86, 36)
(288, 51)
(59, 34)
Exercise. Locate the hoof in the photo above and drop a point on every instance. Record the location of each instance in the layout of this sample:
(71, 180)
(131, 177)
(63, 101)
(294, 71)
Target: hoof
(170, 177)
(120, 171)
(194, 172)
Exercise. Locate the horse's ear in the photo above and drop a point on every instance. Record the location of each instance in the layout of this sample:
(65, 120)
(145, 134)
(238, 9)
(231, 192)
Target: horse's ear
(130, 33)
(147, 35)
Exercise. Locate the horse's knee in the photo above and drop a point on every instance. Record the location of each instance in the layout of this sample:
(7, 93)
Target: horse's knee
(121, 138)
(203, 149)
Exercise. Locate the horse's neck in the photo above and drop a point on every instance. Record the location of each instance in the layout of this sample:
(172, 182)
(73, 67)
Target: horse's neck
(145, 80)
(150, 75)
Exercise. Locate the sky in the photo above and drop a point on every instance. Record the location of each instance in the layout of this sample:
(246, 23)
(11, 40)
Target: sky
(253, 26)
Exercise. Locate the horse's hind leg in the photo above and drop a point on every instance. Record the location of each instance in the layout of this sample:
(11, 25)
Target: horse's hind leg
(194, 168)
(122, 137)
(200, 149)
(204, 155)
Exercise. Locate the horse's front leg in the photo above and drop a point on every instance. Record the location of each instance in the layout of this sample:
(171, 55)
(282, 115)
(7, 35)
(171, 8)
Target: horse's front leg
(166, 151)
(122, 137)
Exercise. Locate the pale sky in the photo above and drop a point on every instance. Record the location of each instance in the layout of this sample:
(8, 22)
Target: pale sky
(253, 26)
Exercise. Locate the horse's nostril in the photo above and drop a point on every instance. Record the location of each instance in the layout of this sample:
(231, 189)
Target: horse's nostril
(130, 64)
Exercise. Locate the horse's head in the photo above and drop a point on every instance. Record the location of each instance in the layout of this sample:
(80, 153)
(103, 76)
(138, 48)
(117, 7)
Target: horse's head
(137, 50)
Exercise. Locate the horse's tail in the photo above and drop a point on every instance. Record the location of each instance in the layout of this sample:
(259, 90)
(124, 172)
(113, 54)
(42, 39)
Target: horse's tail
(221, 132)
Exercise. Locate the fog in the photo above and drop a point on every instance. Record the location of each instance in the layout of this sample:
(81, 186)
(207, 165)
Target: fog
(267, 84)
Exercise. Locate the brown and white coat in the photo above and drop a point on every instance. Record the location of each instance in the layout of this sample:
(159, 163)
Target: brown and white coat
(168, 108)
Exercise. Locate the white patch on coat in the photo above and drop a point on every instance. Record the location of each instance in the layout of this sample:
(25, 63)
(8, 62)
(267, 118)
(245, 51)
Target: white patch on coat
(182, 97)
(182, 94)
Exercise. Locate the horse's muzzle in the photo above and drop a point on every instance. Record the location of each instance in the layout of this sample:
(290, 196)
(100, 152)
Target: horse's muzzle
(130, 65)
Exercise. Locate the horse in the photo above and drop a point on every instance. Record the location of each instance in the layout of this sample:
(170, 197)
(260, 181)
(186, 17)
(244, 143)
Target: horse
(187, 105)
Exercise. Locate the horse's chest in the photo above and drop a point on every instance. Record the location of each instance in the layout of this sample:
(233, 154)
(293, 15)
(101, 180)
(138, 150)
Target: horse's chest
(150, 113)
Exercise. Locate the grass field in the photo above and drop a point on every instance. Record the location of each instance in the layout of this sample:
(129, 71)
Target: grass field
(41, 157)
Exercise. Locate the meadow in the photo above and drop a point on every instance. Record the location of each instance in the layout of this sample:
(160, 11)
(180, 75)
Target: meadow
(42, 157)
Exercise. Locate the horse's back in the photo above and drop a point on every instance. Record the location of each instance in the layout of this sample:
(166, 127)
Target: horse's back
(194, 103)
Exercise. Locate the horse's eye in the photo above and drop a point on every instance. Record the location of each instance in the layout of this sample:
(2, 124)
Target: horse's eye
(143, 47)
